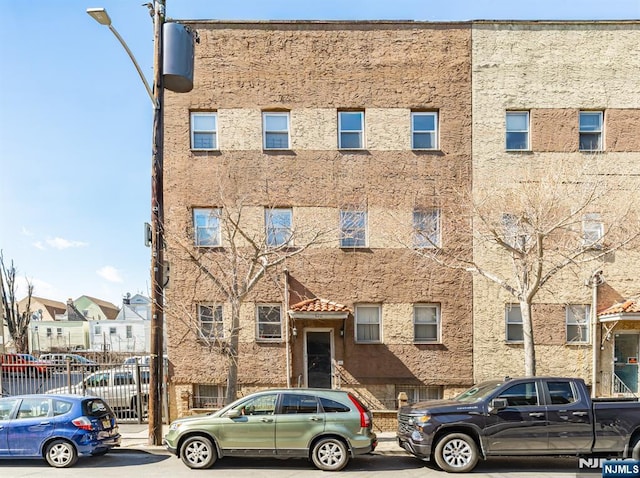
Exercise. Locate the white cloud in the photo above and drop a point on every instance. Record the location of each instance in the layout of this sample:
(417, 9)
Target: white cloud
(40, 288)
(109, 273)
(39, 245)
(60, 243)
(26, 232)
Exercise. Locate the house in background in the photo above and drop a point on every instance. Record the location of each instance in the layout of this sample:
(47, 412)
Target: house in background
(43, 309)
(96, 309)
(128, 332)
(58, 335)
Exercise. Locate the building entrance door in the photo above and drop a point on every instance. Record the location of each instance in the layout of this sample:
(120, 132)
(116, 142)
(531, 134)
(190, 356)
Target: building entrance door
(626, 360)
(318, 358)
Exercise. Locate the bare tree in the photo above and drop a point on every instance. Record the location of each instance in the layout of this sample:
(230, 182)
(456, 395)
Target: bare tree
(540, 226)
(17, 321)
(234, 251)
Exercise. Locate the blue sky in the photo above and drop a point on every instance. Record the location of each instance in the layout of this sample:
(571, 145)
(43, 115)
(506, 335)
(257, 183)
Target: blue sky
(75, 123)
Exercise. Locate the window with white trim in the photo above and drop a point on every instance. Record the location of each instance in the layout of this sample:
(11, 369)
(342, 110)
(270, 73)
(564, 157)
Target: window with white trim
(269, 322)
(278, 226)
(424, 130)
(513, 317)
(592, 230)
(210, 321)
(368, 323)
(577, 317)
(204, 131)
(517, 138)
(591, 130)
(206, 227)
(426, 227)
(426, 323)
(275, 130)
(129, 331)
(353, 228)
(351, 129)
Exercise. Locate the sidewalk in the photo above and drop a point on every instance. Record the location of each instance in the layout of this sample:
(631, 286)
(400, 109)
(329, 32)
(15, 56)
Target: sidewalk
(135, 437)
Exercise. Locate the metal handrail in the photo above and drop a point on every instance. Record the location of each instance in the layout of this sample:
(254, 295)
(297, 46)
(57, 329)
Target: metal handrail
(619, 387)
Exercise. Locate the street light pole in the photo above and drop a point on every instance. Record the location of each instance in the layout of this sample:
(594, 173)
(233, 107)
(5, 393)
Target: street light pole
(156, 362)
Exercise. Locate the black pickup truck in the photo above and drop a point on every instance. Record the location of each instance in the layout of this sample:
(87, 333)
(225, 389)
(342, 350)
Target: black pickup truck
(526, 416)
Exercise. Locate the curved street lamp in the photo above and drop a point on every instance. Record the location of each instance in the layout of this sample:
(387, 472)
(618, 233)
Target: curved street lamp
(157, 215)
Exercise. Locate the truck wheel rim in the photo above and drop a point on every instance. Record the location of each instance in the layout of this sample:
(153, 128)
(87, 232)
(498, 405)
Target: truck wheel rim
(457, 453)
(197, 453)
(330, 454)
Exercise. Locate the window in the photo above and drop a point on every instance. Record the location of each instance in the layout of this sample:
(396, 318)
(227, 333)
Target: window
(204, 131)
(592, 230)
(514, 323)
(209, 396)
(420, 393)
(517, 130)
(351, 129)
(59, 331)
(353, 228)
(298, 403)
(424, 130)
(210, 321)
(260, 405)
(269, 322)
(97, 330)
(278, 225)
(49, 332)
(514, 233)
(368, 323)
(331, 406)
(206, 225)
(426, 323)
(521, 394)
(275, 130)
(112, 331)
(591, 131)
(578, 323)
(426, 226)
(129, 331)
(561, 393)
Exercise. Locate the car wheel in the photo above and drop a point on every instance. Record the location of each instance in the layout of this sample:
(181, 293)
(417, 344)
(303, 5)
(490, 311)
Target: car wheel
(456, 453)
(61, 454)
(198, 452)
(635, 449)
(330, 454)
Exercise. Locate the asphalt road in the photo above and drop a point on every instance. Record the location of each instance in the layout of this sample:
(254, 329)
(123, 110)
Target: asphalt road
(124, 463)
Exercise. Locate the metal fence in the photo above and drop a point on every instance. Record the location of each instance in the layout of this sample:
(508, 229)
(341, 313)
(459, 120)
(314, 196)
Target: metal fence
(124, 387)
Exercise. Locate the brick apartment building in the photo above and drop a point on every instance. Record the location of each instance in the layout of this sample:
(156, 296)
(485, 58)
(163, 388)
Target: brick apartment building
(367, 136)
(353, 129)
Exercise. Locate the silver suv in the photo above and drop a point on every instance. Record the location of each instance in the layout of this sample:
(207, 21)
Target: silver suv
(327, 426)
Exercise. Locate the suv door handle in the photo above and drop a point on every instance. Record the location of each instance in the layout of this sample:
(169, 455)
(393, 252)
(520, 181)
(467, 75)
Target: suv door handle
(315, 419)
(266, 420)
(537, 414)
(580, 414)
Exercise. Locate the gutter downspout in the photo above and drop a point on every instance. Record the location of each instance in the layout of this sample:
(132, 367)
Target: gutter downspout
(286, 327)
(595, 280)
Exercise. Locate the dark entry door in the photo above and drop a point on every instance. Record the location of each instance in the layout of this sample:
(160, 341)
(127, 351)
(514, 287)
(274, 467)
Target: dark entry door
(319, 359)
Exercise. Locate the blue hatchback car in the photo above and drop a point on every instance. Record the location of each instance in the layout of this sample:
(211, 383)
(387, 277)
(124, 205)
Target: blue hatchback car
(58, 428)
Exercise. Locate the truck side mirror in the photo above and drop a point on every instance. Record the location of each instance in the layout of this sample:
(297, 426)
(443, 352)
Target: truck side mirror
(499, 404)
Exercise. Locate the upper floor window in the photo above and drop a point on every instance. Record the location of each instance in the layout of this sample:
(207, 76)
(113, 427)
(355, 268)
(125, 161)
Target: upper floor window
(276, 130)
(591, 130)
(514, 323)
(204, 131)
(514, 232)
(59, 331)
(517, 130)
(129, 332)
(426, 227)
(206, 226)
(592, 230)
(210, 321)
(426, 323)
(424, 130)
(353, 228)
(351, 129)
(577, 317)
(113, 331)
(368, 323)
(269, 322)
(278, 226)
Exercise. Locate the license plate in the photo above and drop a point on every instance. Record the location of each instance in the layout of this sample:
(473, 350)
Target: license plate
(106, 423)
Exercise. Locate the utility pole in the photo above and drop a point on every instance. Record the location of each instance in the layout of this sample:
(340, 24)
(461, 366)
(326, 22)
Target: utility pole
(157, 237)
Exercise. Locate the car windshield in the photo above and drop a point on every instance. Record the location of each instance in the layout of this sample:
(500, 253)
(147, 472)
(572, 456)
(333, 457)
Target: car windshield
(29, 358)
(478, 392)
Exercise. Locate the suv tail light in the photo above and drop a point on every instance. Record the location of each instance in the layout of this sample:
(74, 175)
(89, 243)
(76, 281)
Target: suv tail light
(83, 423)
(365, 422)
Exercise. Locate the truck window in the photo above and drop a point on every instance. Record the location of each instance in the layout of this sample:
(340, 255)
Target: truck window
(561, 393)
(521, 394)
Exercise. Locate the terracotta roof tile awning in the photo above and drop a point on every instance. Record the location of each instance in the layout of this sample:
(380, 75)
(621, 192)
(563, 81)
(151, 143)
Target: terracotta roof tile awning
(627, 310)
(318, 309)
